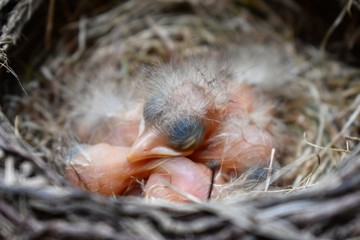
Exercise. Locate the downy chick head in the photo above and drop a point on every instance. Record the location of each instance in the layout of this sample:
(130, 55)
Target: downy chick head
(183, 106)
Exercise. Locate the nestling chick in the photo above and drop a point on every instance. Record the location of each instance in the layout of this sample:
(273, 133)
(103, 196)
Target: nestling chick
(103, 168)
(194, 112)
(200, 110)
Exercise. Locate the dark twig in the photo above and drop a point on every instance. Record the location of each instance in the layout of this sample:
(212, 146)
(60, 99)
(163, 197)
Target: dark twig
(214, 167)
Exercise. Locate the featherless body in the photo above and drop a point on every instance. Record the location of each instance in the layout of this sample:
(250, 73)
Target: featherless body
(186, 115)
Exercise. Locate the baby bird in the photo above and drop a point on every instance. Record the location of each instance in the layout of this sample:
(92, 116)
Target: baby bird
(195, 112)
(103, 168)
(200, 110)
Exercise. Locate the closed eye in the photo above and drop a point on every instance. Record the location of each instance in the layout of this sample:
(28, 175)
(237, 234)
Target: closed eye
(186, 133)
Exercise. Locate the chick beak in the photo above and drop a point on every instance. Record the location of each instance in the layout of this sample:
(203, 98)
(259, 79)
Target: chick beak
(150, 145)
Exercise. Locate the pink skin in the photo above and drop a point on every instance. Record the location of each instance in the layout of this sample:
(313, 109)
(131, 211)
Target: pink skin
(116, 132)
(239, 138)
(248, 146)
(186, 178)
(235, 140)
(112, 130)
(104, 169)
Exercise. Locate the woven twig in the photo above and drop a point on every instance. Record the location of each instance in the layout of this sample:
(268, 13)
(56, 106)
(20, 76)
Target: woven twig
(329, 210)
(36, 203)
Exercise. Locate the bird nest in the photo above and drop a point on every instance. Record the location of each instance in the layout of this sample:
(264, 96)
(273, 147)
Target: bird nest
(315, 193)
